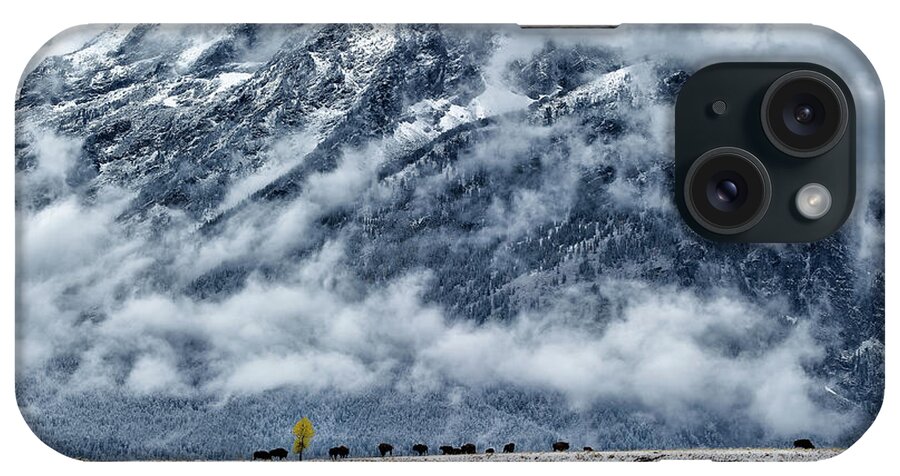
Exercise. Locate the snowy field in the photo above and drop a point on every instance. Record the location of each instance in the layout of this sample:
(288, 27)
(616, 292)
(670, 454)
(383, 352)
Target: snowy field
(729, 454)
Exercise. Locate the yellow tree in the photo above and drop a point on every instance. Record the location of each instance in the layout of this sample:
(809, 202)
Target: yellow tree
(303, 434)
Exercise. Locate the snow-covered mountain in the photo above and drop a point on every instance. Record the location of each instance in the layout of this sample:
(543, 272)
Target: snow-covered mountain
(406, 233)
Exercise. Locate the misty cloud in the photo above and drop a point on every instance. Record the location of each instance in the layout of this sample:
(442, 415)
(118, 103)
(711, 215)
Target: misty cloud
(663, 349)
(286, 154)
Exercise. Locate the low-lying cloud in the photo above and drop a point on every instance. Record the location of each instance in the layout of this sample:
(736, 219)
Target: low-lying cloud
(318, 330)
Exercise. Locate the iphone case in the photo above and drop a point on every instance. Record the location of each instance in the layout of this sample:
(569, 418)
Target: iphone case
(420, 238)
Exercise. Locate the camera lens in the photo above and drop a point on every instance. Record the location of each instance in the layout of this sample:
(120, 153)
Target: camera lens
(727, 190)
(804, 113)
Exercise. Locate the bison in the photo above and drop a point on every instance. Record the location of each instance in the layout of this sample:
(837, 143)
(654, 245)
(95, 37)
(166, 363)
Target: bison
(385, 449)
(263, 455)
(279, 453)
(588, 448)
(509, 448)
(560, 446)
(489, 451)
(421, 449)
(469, 448)
(804, 443)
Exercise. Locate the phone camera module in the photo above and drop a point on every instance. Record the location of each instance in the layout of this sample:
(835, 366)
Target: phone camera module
(765, 152)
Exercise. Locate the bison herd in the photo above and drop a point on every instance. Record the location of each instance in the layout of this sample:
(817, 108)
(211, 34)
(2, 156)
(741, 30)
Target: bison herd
(385, 449)
(338, 452)
(277, 453)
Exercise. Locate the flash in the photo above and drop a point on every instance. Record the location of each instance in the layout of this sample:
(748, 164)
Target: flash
(813, 201)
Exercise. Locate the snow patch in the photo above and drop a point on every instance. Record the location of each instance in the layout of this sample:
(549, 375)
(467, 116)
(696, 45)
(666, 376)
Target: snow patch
(190, 55)
(701, 454)
(97, 50)
(229, 80)
(497, 100)
(321, 64)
